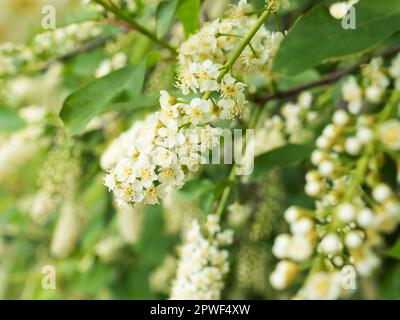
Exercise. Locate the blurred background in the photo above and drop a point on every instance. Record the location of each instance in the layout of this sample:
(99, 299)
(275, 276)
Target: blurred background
(58, 221)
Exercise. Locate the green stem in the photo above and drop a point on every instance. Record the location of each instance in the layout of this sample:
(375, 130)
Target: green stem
(277, 22)
(228, 65)
(112, 8)
(244, 42)
(362, 164)
(242, 45)
(390, 106)
(231, 177)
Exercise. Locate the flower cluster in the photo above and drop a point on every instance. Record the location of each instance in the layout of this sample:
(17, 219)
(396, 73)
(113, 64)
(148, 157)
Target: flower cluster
(164, 153)
(354, 205)
(203, 55)
(177, 138)
(290, 126)
(53, 181)
(44, 47)
(371, 91)
(203, 263)
(217, 39)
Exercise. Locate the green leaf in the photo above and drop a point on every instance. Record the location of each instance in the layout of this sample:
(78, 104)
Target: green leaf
(165, 15)
(194, 189)
(188, 14)
(394, 251)
(10, 120)
(317, 36)
(286, 83)
(97, 96)
(287, 156)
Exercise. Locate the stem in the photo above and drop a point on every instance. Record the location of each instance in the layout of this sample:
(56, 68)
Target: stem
(228, 65)
(327, 80)
(112, 8)
(245, 41)
(362, 164)
(390, 106)
(277, 22)
(231, 177)
(239, 49)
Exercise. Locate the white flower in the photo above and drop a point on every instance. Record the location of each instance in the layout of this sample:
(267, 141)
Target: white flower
(153, 193)
(292, 214)
(339, 10)
(322, 286)
(352, 93)
(198, 111)
(281, 246)
(341, 118)
(173, 175)
(212, 223)
(381, 193)
(300, 248)
(202, 265)
(207, 76)
(125, 171)
(162, 157)
(145, 172)
(364, 135)
(365, 261)
(365, 217)
(346, 212)
(232, 89)
(302, 227)
(130, 192)
(331, 244)
(353, 239)
(353, 146)
(389, 134)
(230, 108)
(284, 274)
(170, 137)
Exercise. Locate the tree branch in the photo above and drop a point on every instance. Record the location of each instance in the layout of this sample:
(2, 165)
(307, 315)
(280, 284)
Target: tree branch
(329, 79)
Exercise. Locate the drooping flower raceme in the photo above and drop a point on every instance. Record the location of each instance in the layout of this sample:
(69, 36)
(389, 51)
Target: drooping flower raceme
(203, 263)
(354, 205)
(175, 140)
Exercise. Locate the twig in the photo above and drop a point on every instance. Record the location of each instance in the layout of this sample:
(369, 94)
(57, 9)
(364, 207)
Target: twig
(86, 47)
(329, 79)
(111, 7)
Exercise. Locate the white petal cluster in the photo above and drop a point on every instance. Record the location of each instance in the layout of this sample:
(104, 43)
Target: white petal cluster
(174, 141)
(171, 144)
(371, 90)
(203, 55)
(322, 286)
(203, 264)
(289, 126)
(44, 47)
(344, 230)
